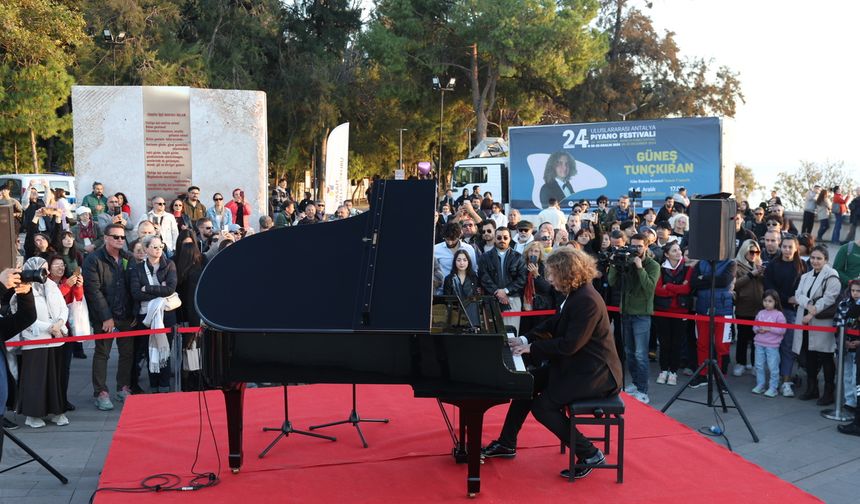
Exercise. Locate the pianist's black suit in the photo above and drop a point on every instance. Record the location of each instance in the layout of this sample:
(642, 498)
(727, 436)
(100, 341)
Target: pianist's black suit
(582, 364)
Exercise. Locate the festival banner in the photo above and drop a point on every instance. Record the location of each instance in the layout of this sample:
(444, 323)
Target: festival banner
(656, 157)
(167, 140)
(336, 167)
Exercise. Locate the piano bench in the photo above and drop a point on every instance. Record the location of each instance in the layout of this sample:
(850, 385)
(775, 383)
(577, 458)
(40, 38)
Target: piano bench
(607, 411)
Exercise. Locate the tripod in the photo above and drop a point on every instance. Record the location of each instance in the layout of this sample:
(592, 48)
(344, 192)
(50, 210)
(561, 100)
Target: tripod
(353, 419)
(34, 457)
(287, 428)
(715, 375)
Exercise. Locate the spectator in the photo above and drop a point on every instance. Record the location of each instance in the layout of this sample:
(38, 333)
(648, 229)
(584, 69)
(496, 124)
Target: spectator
(321, 215)
(561, 238)
(773, 201)
(749, 288)
(680, 228)
(601, 214)
(786, 226)
(106, 293)
(183, 220)
(538, 293)
(266, 222)
(503, 275)
(193, 208)
(817, 290)
(552, 214)
(306, 201)
(847, 261)
(545, 237)
(66, 249)
(620, 212)
(144, 229)
(767, 341)
(62, 204)
(746, 211)
(758, 226)
(42, 246)
(240, 209)
(189, 266)
(672, 294)
(342, 212)
(352, 210)
(444, 213)
(154, 278)
(123, 202)
(96, 200)
(280, 195)
(114, 215)
(524, 236)
(703, 276)
(664, 234)
(470, 234)
(823, 206)
(809, 209)
(41, 391)
(854, 210)
(498, 216)
(460, 199)
(286, 217)
(651, 243)
(638, 283)
(41, 220)
(446, 199)
(805, 244)
(487, 240)
(771, 250)
(219, 215)
(628, 227)
(574, 222)
(782, 274)
(649, 217)
(462, 281)
(205, 232)
(682, 202)
(514, 218)
(840, 208)
(165, 223)
(71, 285)
(444, 252)
(11, 324)
(7, 199)
(310, 215)
(743, 234)
(88, 236)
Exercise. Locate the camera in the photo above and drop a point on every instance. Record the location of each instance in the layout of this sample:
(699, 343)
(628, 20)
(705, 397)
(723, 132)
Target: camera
(617, 256)
(635, 192)
(38, 275)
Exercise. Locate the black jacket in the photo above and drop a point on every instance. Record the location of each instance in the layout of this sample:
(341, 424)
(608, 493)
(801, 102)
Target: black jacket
(514, 273)
(12, 324)
(471, 287)
(580, 348)
(137, 278)
(105, 287)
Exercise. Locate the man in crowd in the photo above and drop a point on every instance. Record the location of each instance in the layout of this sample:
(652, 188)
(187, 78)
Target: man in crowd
(640, 278)
(758, 225)
(742, 234)
(342, 212)
(514, 218)
(444, 251)
(847, 261)
(553, 214)
(352, 210)
(524, 236)
(310, 215)
(487, 241)
(194, 208)
(286, 216)
(17, 210)
(266, 223)
(771, 247)
(503, 274)
(109, 303)
(114, 215)
(305, 202)
(280, 195)
(165, 224)
(682, 202)
(448, 199)
(96, 200)
(809, 209)
(667, 210)
(628, 227)
(854, 218)
(664, 234)
(470, 234)
(621, 212)
(204, 234)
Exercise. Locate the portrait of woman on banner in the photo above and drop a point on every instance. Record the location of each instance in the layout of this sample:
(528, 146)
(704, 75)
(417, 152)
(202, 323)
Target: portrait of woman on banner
(558, 177)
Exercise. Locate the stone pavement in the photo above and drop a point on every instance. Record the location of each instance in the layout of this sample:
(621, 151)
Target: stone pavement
(797, 444)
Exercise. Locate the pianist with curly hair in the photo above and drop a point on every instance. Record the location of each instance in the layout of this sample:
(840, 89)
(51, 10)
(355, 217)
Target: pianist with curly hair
(580, 351)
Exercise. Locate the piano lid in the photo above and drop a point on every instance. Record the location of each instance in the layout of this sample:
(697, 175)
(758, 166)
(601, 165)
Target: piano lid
(371, 272)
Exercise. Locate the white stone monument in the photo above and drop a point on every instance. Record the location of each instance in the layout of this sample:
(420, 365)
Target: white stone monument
(121, 136)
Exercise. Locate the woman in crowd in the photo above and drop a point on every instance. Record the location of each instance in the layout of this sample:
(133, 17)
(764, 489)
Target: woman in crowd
(839, 208)
(42, 246)
(805, 244)
(744, 206)
(123, 202)
(749, 287)
(220, 215)
(649, 218)
(672, 294)
(240, 209)
(62, 204)
(73, 261)
(817, 291)
(72, 288)
(538, 293)
(40, 379)
(498, 216)
(42, 220)
(782, 274)
(189, 265)
(680, 228)
(154, 278)
(88, 236)
(823, 205)
(182, 219)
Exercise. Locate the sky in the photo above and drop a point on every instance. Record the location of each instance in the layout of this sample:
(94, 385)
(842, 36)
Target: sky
(798, 66)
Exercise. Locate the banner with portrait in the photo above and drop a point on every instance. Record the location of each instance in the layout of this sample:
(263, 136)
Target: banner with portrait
(571, 162)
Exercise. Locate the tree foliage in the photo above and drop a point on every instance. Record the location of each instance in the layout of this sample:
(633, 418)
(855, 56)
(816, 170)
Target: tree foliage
(793, 185)
(745, 182)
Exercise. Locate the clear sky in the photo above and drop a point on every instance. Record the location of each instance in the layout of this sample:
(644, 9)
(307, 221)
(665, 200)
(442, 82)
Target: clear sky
(798, 64)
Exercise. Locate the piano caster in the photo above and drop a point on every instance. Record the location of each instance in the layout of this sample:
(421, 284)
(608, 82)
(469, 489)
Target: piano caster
(472, 495)
(460, 455)
(234, 471)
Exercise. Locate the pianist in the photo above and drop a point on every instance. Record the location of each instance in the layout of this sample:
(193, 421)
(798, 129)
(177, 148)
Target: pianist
(580, 352)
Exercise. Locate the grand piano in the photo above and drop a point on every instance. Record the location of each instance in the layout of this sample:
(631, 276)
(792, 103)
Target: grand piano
(351, 301)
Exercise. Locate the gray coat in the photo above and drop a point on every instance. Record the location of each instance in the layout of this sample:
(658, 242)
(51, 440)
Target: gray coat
(822, 291)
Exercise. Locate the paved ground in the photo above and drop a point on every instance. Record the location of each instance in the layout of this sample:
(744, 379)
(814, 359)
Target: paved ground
(797, 444)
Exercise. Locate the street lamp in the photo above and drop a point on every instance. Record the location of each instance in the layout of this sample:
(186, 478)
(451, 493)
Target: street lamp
(114, 41)
(401, 130)
(634, 109)
(437, 85)
(469, 145)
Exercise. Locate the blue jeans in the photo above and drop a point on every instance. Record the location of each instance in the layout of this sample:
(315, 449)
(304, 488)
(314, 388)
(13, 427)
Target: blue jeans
(849, 379)
(823, 226)
(4, 384)
(837, 228)
(637, 332)
(771, 355)
(786, 356)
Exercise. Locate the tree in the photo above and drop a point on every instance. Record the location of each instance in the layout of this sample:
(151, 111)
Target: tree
(745, 182)
(36, 47)
(644, 77)
(792, 186)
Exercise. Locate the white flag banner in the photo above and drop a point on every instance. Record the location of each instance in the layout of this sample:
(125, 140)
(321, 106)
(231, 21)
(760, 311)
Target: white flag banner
(336, 164)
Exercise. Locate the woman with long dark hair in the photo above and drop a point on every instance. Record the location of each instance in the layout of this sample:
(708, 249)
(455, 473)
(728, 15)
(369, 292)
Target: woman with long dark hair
(183, 221)
(672, 294)
(823, 205)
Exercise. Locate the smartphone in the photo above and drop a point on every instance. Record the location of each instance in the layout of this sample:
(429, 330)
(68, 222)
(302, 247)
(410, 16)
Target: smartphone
(77, 270)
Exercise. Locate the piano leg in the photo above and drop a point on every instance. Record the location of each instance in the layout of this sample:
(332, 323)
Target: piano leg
(234, 396)
(474, 421)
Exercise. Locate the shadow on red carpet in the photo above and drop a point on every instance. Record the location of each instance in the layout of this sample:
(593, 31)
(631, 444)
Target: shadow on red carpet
(409, 459)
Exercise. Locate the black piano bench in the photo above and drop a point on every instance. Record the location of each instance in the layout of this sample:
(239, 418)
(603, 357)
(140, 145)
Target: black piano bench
(607, 411)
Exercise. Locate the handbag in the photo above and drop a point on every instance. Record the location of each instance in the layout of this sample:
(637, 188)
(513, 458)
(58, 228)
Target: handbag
(830, 311)
(191, 357)
(172, 302)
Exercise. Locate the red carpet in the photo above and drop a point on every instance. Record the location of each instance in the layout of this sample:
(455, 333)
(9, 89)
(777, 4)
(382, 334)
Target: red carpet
(409, 459)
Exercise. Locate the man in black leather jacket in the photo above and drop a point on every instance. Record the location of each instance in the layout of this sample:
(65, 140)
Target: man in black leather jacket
(503, 274)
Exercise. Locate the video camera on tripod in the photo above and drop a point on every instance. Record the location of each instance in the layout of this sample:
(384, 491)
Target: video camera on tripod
(620, 257)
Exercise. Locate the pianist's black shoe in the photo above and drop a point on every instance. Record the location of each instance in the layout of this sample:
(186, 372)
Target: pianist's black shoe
(498, 450)
(580, 472)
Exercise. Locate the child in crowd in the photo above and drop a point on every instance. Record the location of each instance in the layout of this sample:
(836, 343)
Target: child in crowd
(850, 302)
(767, 340)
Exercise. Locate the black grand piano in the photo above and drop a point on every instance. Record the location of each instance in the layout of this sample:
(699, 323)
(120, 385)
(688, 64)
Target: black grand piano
(350, 301)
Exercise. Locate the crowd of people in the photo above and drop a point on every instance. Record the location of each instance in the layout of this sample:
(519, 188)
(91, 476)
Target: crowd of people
(107, 273)
(778, 274)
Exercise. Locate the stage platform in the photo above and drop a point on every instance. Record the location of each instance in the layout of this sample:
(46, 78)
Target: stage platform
(409, 459)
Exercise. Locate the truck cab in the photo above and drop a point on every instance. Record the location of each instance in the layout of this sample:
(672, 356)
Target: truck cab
(487, 166)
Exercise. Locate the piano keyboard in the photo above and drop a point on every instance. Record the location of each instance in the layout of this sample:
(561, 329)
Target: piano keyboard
(516, 360)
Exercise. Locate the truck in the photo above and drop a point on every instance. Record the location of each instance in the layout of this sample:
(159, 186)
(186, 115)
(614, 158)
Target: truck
(649, 159)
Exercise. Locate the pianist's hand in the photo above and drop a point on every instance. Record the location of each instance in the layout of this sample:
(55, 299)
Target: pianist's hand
(521, 349)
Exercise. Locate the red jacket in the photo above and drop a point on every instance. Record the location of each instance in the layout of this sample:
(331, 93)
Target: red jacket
(839, 199)
(673, 290)
(73, 293)
(234, 207)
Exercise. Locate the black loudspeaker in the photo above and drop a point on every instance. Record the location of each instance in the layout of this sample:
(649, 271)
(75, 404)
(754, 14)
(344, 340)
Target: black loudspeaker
(8, 242)
(712, 229)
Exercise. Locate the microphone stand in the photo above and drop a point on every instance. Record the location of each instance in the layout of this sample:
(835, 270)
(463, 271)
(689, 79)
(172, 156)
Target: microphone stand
(287, 428)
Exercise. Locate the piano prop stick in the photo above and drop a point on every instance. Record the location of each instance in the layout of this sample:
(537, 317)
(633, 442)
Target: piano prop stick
(287, 428)
(368, 317)
(353, 419)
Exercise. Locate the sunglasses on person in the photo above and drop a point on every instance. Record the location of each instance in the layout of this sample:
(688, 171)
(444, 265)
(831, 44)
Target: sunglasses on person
(545, 238)
(159, 203)
(117, 237)
(487, 231)
(772, 224)
(755, 252)
(178, 205)
(218, 199)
